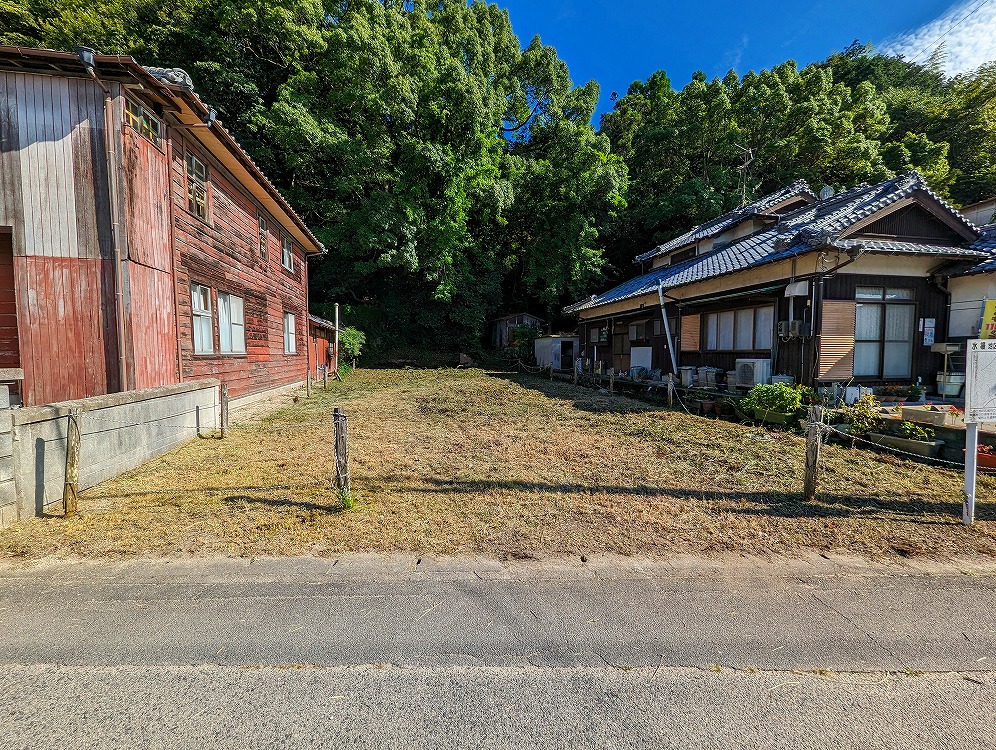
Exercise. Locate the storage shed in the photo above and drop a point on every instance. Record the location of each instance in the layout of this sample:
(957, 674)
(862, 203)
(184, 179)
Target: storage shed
(558, 350)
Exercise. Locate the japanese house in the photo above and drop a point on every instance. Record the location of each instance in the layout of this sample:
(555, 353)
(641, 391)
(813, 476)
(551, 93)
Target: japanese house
(838, 288)
(140, 246)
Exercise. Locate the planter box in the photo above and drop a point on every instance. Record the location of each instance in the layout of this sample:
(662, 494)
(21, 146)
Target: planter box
(925, 448)
(923, 415)
(773, 417)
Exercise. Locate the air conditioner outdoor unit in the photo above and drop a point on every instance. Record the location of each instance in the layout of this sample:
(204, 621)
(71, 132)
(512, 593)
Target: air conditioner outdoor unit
(751, 372)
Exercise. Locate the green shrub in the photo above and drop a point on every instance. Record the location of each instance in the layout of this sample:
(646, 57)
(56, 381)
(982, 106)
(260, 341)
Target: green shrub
(351, 341)
(522, 342)
(864, 416)
(914, 431)
(779, 398)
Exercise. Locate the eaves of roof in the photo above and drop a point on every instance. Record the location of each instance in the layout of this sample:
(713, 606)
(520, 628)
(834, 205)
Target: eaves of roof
(321, 322)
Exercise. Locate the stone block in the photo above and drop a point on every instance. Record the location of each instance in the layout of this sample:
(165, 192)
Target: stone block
(8, 515)
(4, 396)
(6, 421)
(6, 444)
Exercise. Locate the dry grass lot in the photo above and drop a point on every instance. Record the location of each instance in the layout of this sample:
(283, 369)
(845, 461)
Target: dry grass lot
(463, 461)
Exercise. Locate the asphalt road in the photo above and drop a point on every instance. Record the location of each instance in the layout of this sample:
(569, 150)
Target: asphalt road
(392, 652)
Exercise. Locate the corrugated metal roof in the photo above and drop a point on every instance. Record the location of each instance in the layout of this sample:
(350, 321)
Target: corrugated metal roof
(799, 231)
(730, 219)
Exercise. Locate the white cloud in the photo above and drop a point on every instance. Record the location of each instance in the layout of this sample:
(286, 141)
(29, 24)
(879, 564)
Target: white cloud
(967, 30)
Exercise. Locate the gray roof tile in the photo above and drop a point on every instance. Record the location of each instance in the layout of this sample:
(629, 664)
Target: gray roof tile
(730, 219)
(795, 233)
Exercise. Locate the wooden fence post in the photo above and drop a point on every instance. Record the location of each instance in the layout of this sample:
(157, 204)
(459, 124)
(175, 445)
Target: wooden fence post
(224, 410)
(612, 380)
(70, 501)
(341, 450)
(308, 391)
(814, 438)
(325, 378)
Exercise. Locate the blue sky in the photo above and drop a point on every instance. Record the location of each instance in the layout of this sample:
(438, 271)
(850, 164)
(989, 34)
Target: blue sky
(619, 42)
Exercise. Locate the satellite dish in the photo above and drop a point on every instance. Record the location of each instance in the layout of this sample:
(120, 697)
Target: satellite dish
(826, 192)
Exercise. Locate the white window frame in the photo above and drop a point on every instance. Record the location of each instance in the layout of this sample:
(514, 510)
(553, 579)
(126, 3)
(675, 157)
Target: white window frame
(721, 329)
(287, 256)
(290, 333)
(231, 324)
(201, 317)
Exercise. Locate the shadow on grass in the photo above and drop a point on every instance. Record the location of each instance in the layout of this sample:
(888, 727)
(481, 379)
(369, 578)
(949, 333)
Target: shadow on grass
(287, 503)
(772, 504)
(584, 398)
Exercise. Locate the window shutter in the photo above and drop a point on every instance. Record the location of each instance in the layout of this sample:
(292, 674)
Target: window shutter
(836, 359)
(691, 330)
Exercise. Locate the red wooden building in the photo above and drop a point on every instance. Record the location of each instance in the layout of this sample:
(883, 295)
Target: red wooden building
(139, 244)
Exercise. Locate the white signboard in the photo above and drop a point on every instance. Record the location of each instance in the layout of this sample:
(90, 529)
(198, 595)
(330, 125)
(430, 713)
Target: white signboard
(980, 383)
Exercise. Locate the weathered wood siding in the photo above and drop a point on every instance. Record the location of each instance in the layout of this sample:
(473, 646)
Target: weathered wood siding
(151, 297)
(223, 254)
(53, 195)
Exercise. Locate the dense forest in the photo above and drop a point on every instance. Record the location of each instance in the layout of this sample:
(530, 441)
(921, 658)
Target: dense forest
(454, 172)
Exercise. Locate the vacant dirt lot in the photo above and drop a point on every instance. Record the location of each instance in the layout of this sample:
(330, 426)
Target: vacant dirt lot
(463, 461)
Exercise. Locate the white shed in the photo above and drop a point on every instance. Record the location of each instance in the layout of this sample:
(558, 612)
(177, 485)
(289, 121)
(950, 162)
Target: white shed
(558, 350)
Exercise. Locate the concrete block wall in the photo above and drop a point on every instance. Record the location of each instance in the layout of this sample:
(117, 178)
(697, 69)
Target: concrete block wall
(119, 432)
(8, 487)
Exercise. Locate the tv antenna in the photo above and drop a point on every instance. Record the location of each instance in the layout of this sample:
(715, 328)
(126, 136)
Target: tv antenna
(748, 156)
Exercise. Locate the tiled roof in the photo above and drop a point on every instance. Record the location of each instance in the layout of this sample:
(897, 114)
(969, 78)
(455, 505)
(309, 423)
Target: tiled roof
(802, 230)
(730, 219)
(986, 245)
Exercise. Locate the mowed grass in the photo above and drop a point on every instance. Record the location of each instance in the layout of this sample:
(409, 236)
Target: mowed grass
(463, 461)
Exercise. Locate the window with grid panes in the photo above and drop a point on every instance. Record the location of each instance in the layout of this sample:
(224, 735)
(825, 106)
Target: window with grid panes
(264, 235)
(288, 255)
(197, 178)
(745, 330)
(142, 120)
(231, 324)
(884, 321)
(200, 305)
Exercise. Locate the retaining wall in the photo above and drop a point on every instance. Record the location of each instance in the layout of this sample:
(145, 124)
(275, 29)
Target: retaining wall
(119, 431)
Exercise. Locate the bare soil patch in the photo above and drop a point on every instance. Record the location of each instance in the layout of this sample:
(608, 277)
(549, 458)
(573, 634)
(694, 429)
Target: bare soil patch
(469, 462)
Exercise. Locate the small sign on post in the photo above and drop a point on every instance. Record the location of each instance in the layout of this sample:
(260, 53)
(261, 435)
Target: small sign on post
(980, 406)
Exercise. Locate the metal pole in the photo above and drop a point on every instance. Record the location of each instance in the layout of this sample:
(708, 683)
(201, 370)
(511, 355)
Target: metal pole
(667, 330)
(335, 349)
(971, 461)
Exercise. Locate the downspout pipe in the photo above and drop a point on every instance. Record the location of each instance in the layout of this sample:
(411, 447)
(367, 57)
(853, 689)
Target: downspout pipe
(87, 58)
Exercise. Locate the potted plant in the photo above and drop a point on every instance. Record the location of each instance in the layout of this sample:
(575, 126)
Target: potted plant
(914, 392)
(913, 438)
(986, 458)
(863, 416)
(776, 403)
(928, 414)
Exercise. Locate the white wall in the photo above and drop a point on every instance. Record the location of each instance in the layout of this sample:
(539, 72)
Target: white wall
(968, 295)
